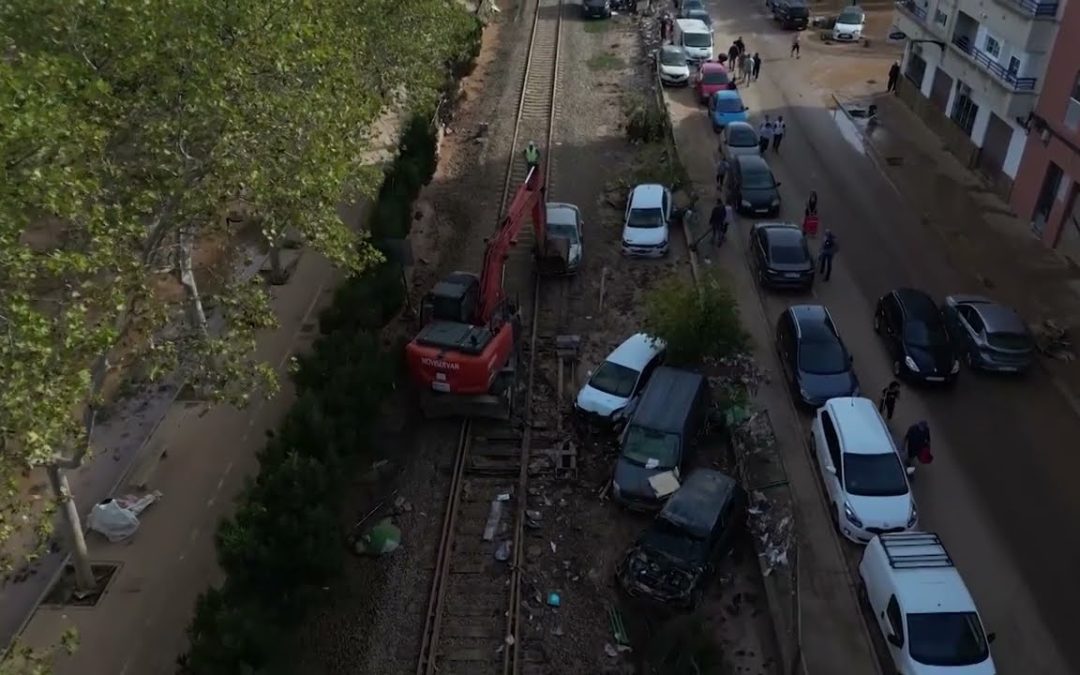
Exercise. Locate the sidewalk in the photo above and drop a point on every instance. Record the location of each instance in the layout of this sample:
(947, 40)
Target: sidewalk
(198, 458)
(981, 237)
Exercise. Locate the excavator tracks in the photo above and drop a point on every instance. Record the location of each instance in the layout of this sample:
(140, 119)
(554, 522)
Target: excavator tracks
(473, 617)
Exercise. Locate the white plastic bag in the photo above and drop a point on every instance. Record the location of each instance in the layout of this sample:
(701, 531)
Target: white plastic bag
(113, 520)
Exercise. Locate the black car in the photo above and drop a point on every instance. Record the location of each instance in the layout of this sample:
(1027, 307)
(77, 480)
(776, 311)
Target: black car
(780, 256)
(673, 560)
(814, 359)
(752, 189)
(792, 14)
(916, 336)
(596, 9)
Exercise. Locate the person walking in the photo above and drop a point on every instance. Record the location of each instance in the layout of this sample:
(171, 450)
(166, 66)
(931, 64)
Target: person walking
(825, 257)
(733, 56)
(740, 45)
(532, 155)
(778, 133)
(718, 222)
(894, 75)
(887, 403)
(917, 445)
(810, 217)
(765, 132)
(721, 171)
(756, 67)
(795, 46)
(744, 67)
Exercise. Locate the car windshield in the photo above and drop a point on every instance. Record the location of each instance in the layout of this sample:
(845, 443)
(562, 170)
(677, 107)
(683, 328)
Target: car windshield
(922, 334)
(651, 449)
(697, 39)
(716, 77)
(673, 57)
(823, 357)
(874, 475)
(742, 137)
(565, 230)
(798, 11)
(670, 539)
(645, 218)
(850, 16)
(758, 179)
(947, 639)
(727, 105)
(611, 378)
(1011, 341)
(788, 254)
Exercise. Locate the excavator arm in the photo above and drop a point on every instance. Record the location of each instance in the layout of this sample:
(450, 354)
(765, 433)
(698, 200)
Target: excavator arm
(529, 197)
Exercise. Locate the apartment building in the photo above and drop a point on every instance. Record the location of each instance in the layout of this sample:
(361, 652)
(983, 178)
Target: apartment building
(973, 70)
(1047, 186)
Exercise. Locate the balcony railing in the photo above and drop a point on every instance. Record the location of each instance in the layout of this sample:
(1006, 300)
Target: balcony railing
(1034, 7)
(911, 7)
(963, 43)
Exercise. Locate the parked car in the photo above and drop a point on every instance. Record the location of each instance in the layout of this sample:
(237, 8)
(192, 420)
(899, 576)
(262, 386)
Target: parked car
(751, 187)
(596, 9)
(699, 13)
(923, 608)
(710, 78)
(780, 256)
(564, 223)
(695, 37)
(646, 225)
(613, 388)
(814, 360)
(865, 481)
(692, 4)
(673, 66)
(660, 437)
(673, 561)
(916, 337)
(739, 138)
(989, 336)
(791, 14)
(725, 107)
(849, 24)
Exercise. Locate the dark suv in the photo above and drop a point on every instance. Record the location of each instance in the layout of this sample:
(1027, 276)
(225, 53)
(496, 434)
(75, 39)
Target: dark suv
(596, 9)
(672, 561)
(791, 13)
(916, 336)
(816, 364)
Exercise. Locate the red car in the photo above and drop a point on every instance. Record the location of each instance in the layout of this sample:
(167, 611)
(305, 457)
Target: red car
(711, 78)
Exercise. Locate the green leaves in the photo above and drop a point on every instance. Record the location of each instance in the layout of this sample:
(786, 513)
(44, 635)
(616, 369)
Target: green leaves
(698, 325)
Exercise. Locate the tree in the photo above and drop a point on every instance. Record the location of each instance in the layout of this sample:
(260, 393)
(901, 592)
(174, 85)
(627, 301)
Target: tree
(699, 323)
(129, 130)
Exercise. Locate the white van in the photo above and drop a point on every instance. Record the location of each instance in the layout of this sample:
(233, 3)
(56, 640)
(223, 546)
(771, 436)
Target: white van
(694, 36)
(923, 608)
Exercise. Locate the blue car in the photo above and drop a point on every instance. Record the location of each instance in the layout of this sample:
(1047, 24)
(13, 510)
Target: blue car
(725, 107)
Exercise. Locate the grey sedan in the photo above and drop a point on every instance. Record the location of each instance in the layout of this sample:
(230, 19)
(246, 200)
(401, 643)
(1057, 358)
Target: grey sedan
(990, 336)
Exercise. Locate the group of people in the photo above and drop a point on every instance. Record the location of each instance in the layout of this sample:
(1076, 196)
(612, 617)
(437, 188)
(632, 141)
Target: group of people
(917, 439)
(742, 65)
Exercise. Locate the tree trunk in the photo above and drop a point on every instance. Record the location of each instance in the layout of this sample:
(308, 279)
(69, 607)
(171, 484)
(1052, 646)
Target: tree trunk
(80, 556)
(184, 270)
(278, 276)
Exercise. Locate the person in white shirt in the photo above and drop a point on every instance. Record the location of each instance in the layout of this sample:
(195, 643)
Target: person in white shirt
(778, 133)
(765, 134)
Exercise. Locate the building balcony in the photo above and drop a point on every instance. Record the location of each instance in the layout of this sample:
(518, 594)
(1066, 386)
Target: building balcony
(1002, 75)
(1032, 8)
(913, 10)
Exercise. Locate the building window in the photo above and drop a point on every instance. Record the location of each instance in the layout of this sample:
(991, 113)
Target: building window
(964, 109)
(1072, 109)
(940, 17)
(992, 46)
(1014, 66)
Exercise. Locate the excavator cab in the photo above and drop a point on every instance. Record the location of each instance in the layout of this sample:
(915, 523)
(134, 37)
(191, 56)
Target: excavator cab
(456, 298)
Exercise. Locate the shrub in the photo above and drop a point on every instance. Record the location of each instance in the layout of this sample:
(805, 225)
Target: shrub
(645, 122)
(366, 301)
(698, 325)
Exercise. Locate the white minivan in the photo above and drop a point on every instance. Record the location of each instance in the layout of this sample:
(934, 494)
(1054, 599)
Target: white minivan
(695, 37)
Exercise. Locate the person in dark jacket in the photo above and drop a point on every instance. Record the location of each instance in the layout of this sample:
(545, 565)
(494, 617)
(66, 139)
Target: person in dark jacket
(894, 76)
(889, 395)
(917, 443)
(718, 222)
(825, 257)
(756, 67)
(733, 56)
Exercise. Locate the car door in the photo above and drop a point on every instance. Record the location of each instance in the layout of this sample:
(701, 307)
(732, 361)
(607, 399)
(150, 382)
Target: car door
(827, 448)
(666, 205)
(891, 620)
(972, 327)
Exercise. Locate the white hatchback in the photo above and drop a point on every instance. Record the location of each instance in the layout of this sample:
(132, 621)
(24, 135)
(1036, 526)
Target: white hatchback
(864, 478)
(645, 227)
(612, 388)
(849, 25)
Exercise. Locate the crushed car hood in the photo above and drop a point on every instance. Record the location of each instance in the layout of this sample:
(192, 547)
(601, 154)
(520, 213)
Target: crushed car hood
(649, 572)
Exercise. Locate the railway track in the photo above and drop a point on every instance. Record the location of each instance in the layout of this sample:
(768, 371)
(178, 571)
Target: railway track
(473, 623)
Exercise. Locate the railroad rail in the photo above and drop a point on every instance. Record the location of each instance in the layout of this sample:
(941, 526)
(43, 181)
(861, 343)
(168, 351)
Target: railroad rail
(473, 620)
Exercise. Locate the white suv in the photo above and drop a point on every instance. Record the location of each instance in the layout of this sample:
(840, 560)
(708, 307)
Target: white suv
(645, 228)
(924, 610)
(864, 478)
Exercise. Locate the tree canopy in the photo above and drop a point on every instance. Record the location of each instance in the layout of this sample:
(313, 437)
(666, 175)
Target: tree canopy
(699, 323)
(128, 130)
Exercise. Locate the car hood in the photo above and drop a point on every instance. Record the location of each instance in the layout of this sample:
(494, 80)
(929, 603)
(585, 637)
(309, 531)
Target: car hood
(594, 401)
(820, 388)
(762, 196)
(675, 70)
(645, 236)
(882, 512)
(658, 575)
(936, 361)
(729, 117)
(633, 479)
(847, 27)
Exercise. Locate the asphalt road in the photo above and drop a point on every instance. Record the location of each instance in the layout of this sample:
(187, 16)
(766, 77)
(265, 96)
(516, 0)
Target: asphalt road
(1000, 487)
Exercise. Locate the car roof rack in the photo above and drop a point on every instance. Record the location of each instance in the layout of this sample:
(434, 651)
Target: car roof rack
(906, 551)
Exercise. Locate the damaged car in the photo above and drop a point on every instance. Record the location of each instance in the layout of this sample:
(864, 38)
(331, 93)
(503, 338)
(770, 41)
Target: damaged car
(674, 559)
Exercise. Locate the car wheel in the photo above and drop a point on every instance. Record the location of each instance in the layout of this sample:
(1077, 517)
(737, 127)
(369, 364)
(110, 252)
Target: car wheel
(896, 368)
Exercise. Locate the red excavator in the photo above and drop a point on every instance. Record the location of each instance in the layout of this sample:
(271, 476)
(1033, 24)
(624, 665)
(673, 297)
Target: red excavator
(464, 358)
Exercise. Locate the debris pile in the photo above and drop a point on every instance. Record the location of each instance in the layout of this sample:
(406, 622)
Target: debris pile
(1053, 340)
